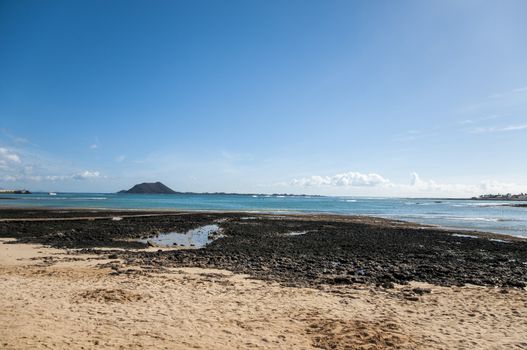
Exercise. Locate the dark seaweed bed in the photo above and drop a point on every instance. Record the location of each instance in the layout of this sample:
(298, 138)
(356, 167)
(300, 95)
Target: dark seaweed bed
(335, 249)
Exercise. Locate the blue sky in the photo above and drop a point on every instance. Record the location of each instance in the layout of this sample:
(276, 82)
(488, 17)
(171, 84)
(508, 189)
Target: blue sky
(332, 97)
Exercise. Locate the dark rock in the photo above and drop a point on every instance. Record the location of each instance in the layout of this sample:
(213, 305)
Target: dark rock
(336, 251)
(388, 285)
(340, 280)
(421, 291)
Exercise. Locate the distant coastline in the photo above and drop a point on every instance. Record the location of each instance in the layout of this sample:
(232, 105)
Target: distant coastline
(502, 197)
(160, 188)
(14, 192)
(239, 194)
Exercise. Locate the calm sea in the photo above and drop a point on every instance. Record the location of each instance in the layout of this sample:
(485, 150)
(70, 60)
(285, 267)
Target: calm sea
(491, 216)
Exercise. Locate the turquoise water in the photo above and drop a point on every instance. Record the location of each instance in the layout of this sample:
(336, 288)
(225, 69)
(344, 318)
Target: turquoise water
(491, 216)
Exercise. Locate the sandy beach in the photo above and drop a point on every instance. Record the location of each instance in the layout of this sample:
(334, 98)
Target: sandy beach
(133, 297)
(218, 175)
(64, 301)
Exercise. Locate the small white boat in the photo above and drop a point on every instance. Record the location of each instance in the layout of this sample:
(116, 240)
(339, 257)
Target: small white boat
(52, 193)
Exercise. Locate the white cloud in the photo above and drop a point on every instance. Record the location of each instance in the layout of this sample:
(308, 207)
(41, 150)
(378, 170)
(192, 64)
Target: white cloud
(418, 187)
(349, 179)
(7, 156)
(57, 177)
(13, 178)
(9, 178)
(491, 186)
(415, 180)
(22, 166)
(86, 175)
(486, 186)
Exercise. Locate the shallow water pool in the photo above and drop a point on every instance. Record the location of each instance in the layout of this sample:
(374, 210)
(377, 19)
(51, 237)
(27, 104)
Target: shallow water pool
(195, 238)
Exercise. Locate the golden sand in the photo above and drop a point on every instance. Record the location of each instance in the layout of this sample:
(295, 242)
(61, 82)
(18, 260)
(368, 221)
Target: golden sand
(54, 300)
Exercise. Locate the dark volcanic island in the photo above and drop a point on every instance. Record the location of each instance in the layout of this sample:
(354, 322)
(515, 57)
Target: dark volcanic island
(299, 250)
(150, 188)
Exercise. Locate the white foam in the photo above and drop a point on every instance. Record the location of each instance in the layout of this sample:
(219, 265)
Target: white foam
(499, 240)
(296, 233)
(463, 236)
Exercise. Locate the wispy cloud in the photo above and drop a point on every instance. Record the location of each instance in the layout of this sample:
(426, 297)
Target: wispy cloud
(25, 165)
(518, 93)
(7, 156)
(120, 158)
(521, 90)
(410, 135)
(87, 174)
(510, 93)
(13, 139)
(84, 175)
(494, 129)
(96, 144)
(510, 107)
(479, 120)
(499, 112)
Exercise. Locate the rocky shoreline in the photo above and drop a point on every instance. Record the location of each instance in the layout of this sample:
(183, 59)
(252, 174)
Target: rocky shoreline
(332, 250)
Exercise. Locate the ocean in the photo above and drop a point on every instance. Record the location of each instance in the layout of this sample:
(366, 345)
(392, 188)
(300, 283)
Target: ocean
(489, 216)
